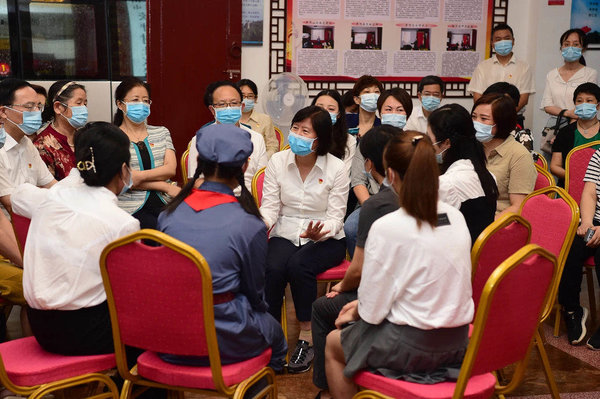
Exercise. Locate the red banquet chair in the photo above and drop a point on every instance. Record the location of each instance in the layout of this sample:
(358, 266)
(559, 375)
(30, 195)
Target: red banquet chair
(575, 167)
(539, 160)
(21, 228)
(500, 338)
(494, 245)
(161, 301)
(257, 185)
(280, 138)
(554, 223)
(544, 178)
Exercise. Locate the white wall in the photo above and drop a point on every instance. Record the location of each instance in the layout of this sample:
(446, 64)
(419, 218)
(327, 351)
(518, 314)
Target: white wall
(537, 29)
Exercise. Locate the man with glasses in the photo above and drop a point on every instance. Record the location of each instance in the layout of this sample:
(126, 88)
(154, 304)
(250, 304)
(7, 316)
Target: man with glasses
(224, 100)
(20, 162)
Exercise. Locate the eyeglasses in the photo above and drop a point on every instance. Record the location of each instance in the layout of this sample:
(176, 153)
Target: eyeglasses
(30, 106)
(249, 96)
(137, 100)
(233, 104)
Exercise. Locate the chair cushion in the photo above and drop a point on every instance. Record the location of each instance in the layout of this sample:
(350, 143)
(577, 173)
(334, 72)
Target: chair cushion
(335, 273)
(27, 364)
(152, 367)
(590, 262)
(479, 387)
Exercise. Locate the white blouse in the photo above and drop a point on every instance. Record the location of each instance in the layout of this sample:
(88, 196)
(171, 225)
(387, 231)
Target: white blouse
(71, 223)
(349, 152)
(460, 183)
(414, 276)
(289, 204)
(560, 93)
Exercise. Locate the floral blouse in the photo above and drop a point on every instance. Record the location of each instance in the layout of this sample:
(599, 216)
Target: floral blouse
(55, 152)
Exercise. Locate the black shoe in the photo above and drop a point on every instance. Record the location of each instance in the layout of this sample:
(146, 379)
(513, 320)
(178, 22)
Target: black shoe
(302, 358)
(594, 342)
(576, 325)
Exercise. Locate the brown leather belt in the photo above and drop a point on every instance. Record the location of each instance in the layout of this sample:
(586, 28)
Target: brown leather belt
(223, 297)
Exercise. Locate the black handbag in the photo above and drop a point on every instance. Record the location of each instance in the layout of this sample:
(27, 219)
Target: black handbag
(549, 133)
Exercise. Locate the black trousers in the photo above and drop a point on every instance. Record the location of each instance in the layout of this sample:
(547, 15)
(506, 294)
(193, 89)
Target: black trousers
(570, 282)
(299, 266)
(324, 312)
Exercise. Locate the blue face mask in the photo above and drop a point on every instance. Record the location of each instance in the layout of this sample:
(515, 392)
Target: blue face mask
(396, 120)
(333, 117)
(32, 120)
(228, 115)
(503, 47)
(483, 132)
(2, 136)
(430, 103)
(439, 158)
(586, 111)
(137, 112)
(248, 105)
(571, 54)
(300, 145)
(127, 185)
(368, 101)
(79, 116)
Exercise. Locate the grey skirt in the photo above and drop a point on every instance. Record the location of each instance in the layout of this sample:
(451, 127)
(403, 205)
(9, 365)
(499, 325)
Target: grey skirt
(404, 352)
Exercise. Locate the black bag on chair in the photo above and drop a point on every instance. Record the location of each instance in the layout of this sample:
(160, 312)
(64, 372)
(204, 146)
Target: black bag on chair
(549, 133)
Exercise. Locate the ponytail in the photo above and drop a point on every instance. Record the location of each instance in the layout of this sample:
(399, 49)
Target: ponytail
(412, 157)
(225, 172)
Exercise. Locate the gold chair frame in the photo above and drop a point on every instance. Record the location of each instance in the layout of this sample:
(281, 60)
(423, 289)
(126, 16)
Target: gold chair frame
(255, 185)
(130, 376)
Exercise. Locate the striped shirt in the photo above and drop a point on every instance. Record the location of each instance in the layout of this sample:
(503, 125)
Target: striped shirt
(592, 175)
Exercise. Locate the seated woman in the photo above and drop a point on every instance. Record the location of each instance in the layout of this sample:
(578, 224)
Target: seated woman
(586, 128)
(304, 202)
(465, 184)
(153, 159)
(71, 223)
(66, 112)
(494, 117)
(582, 248)
(343, 144)
(230, 235)
(410, 256)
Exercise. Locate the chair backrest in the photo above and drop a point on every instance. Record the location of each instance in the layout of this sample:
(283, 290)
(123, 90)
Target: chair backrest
(21, 228)
(544, 178)
(494, 245)
(540, 160)
(509, 313)
(285, 147)
(184, 165)
(553, 224)
(279, 136)
(160, 298)
(257, 186)
(575, 166)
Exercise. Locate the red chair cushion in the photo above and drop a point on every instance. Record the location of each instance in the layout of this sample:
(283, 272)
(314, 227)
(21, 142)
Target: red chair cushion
(152, 367)
(335, 273)
(479, 387)
(27, 364)
(590, 261)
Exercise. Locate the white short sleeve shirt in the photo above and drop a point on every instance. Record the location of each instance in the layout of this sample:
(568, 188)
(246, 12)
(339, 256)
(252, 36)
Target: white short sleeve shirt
(417, 121)
(490, 71)
(559, 93)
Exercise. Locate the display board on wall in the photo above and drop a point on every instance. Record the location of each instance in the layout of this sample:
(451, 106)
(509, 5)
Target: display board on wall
(252, 22)
(585, 15)
(395, 38)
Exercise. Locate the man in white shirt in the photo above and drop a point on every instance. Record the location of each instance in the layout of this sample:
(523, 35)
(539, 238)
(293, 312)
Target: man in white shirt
(430, 93)
(503, 67)
(20, 162)
(224, 100)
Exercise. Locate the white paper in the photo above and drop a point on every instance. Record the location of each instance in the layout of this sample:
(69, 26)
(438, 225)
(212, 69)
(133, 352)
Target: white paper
(317, 62)
(365, 62)
(459, 63)
(414, 63)
(319, 8)
(418, 10)
(463, 11)
(362, 9)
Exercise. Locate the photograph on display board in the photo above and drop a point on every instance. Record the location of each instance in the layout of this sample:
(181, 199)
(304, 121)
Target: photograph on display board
(315, 36)
(584, 16)
(252, 22)
(415, 39)
(461, 40)
(366, 38)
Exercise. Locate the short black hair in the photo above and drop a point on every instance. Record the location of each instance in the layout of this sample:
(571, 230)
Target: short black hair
(372, 144)
(39, 89)
(431, 80)
(250, 84)
(321, 123)
(366, 81)
(104, 146)
(399, 94)
(8, 87)
(502, 26)
(504, 88)
(587, 88)
(504, 112)
(210, 89)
